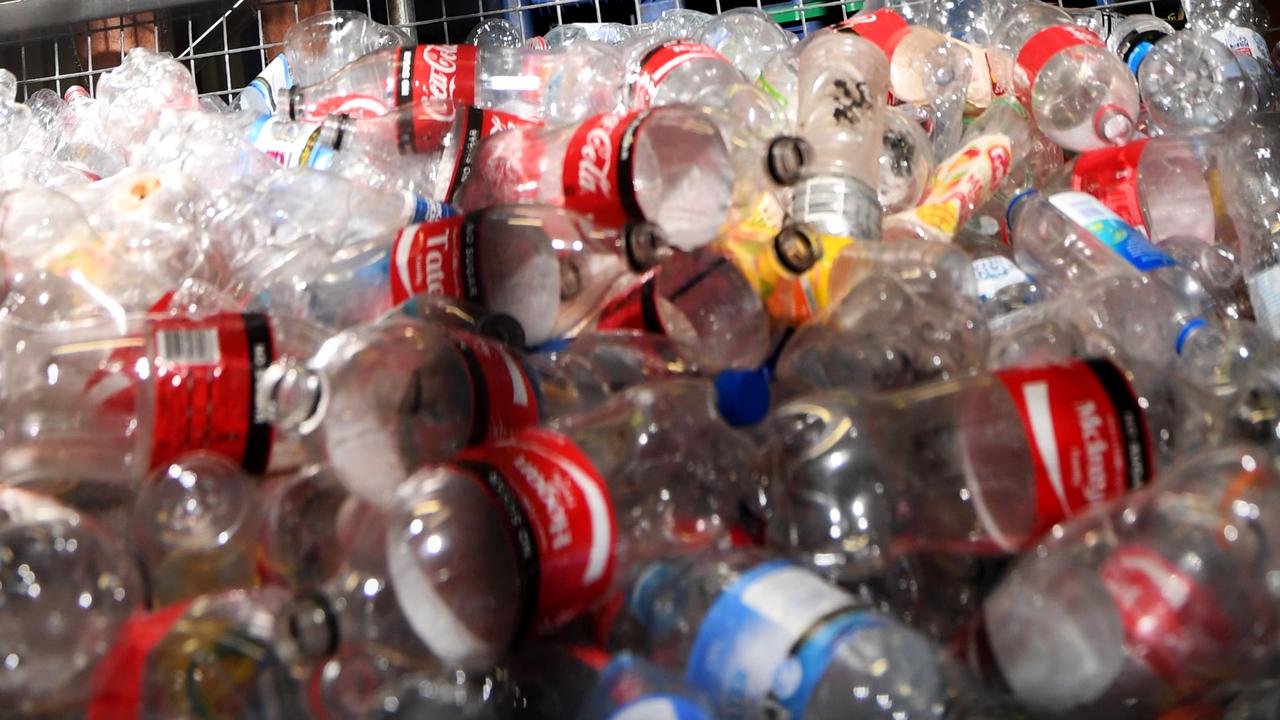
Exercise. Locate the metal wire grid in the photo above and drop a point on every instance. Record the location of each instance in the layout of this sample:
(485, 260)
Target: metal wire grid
(226, 44)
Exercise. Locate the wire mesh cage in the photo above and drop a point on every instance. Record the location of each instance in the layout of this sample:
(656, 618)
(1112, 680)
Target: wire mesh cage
(227, 43)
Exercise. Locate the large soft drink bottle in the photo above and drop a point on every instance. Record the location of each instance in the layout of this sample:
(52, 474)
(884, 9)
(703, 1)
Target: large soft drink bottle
(763, 638)
(664, 72)
(146, 389)
(15, 117)
(1130, 611)
(1082, 95)
(519, 537)
(68, 589)
(543, 266)
(981, 464)
(748, 37)
(1134, 37)
(668, 166)
(567, 84)
(1252, 194)
(843, 82)
(1193, 84)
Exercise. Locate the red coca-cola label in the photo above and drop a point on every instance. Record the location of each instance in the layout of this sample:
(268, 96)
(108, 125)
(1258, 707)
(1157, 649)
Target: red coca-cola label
(561, 520)
(635, 309)
(505, 399)
(597, 169)
(205, 379)
(355, 106)
(664, 60)
(438, 72)
(1087, 435)
(439, 258)
(1171, 622)
(884, 27)
(425, 128)
(1111, 175)
(1049, 42)
(118, 680)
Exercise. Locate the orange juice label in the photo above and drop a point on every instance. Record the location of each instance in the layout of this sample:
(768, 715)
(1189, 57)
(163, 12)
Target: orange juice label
(960, 184)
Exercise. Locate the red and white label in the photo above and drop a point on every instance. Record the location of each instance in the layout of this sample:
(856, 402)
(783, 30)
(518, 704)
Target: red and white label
(439, 72)
(205, 378)
(1049, 42)
(436, 258)
(1111, 176)
(432, 121)
(1171, 622)
(662, 61)
(356, 106)
(1087, 435)
(635, 309)
(505, 399)
(118, 680)
(884, 27)
(562, 521)
(597, 169)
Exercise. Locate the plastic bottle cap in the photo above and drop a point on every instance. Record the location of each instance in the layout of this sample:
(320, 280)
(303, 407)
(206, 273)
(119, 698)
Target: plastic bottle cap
(553, 345)
(1137, 54)
(743, 396)
(1186, 333)
(1008, 214)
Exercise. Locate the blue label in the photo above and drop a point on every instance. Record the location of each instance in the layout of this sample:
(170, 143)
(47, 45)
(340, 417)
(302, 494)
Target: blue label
(1089, 213)
(255, 130)
(767, 639)
(425, 210)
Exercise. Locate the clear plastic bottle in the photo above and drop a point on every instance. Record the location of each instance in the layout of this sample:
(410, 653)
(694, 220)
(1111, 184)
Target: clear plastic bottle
(567, 85)
(519, 537)
(15, 117)
(980, 464)
(906, 162)
(668, 166)
(665, 72)
(545, 267)
(318, 46)
(69, 587)
(48, 116)
(1134, 36)
(699, 299)
(1082, 96)
(607, 33)
(843, 83)
(747, 37)
(759, 637)
(1129, 611)
(881, 336)
(1193, 84)
(86, 145)
(962, 183)
(495, 32)
(1238, 24)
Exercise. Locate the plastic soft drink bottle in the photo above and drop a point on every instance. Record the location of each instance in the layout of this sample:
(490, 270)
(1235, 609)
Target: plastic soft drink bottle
(523, 535)
(1235, 23)
(906, 162)
(1134, 37)
(763, 638)
(543, 266)
(667, 166)
(1128, 611)
(1252, 194)
(86, 145)
(748, 37)
(70, 587)
(961, 184)
(1082, 96)
(15, 117)
(843, 82)
(567, 84)
(981, 464)
(1193, 84)
(664, 72)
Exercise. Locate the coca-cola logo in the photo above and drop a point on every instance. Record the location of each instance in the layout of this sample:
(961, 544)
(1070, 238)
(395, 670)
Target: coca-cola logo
(431, 109)
(442, 63)
(597, 156)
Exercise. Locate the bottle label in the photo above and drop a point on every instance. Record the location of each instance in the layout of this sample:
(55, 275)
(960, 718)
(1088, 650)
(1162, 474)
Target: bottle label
(561, 522)
(1042, 46)
(437, 72)
(662, 61)
(884, 27)
(1109, 229)
(1087, 434)
(1111, 176)
(275, 76)
(597, 169)
(660, 707)
(303, 150)
(1244, 41)
(960, 184)
(788, 297)
(768, 638)
(205, 376)
(1172, 623)
(479, 124)
(439, 258)
(504, 398)
(995, 273)
(1264, 294)
(118, 680)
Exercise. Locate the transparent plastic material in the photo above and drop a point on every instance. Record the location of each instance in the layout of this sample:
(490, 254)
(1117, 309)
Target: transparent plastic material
(1193, 84)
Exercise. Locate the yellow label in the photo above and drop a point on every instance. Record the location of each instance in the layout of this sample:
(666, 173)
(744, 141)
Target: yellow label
(789, 297)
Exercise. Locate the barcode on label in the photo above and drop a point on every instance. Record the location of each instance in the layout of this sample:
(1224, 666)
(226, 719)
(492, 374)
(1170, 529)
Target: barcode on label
(189, 347)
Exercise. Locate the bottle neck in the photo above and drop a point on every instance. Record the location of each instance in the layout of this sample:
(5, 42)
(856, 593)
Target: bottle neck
(291, 395)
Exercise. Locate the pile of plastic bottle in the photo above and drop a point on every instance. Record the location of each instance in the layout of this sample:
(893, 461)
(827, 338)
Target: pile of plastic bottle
(922, 367)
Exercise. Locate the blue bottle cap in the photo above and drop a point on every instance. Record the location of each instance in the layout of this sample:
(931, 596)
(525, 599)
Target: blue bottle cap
(553, 345)
(1137, 54)
(1186, 333)
(1017, 199)
(743, 396)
